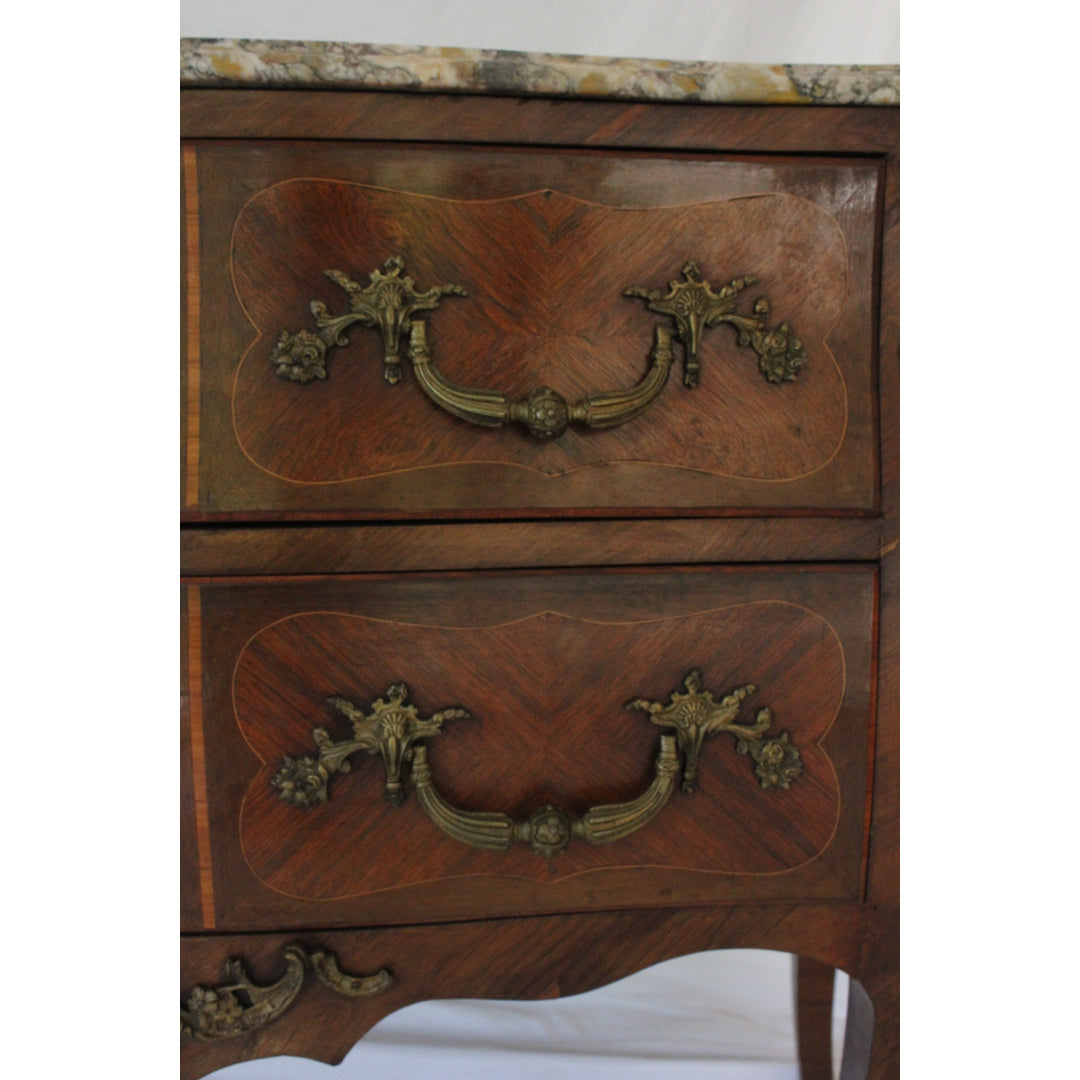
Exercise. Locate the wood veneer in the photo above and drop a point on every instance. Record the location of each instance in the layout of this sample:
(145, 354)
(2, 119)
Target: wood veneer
(265, 550)
(545, 243)
(545, 683)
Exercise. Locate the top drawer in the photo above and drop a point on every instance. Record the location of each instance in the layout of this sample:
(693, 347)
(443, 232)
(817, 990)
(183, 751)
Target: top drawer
(303, 399)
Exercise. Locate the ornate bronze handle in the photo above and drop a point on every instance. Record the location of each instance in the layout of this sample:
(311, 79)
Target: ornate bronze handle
(694, 306)
(240, 1006)
(549, 829)
(389, 301)
(392, 726)
(544, 412)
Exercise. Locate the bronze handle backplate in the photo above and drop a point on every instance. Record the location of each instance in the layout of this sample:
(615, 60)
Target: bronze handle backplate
(389, 300)
(239, 1006)
(392, 726)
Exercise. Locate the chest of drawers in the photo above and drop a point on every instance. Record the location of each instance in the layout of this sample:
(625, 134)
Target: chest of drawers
(539, 504)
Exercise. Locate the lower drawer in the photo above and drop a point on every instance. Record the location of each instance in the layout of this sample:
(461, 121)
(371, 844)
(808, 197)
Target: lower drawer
(371, 751)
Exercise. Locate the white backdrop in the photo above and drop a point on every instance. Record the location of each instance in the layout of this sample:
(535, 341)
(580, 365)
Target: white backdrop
(764, 31)
(725, 1015)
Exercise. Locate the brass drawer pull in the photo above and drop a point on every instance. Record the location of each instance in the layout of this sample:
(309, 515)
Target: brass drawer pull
(389, 301)
(545, 413)
(392, 726)
(549, 829)
(694, 306)
(240, 1006)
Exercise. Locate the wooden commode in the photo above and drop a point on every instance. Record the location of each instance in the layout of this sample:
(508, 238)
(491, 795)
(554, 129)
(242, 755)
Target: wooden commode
(539, 540)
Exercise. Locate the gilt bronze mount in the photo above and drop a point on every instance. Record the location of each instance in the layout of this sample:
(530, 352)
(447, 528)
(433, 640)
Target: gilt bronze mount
(693, 306)
(389, 301)
(240, 1006)
(695, 715)
(389, 729)
(392, 726)
(385, 303)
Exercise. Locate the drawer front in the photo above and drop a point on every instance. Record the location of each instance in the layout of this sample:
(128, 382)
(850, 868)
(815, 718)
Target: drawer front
(370, 751)
(308, 394)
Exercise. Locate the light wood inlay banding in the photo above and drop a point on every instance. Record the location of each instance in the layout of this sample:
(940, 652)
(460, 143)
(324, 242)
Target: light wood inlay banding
(198, 757)
(191, 242)
(277, 841)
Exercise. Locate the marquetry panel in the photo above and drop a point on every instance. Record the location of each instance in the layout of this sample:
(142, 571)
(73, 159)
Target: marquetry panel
(545, 665)
(545, 244)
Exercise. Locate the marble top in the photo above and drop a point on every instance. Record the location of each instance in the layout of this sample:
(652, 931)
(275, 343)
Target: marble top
(245, 62)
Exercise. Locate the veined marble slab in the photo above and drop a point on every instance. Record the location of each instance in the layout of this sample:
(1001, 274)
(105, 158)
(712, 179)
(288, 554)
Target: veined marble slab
(245, 62)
